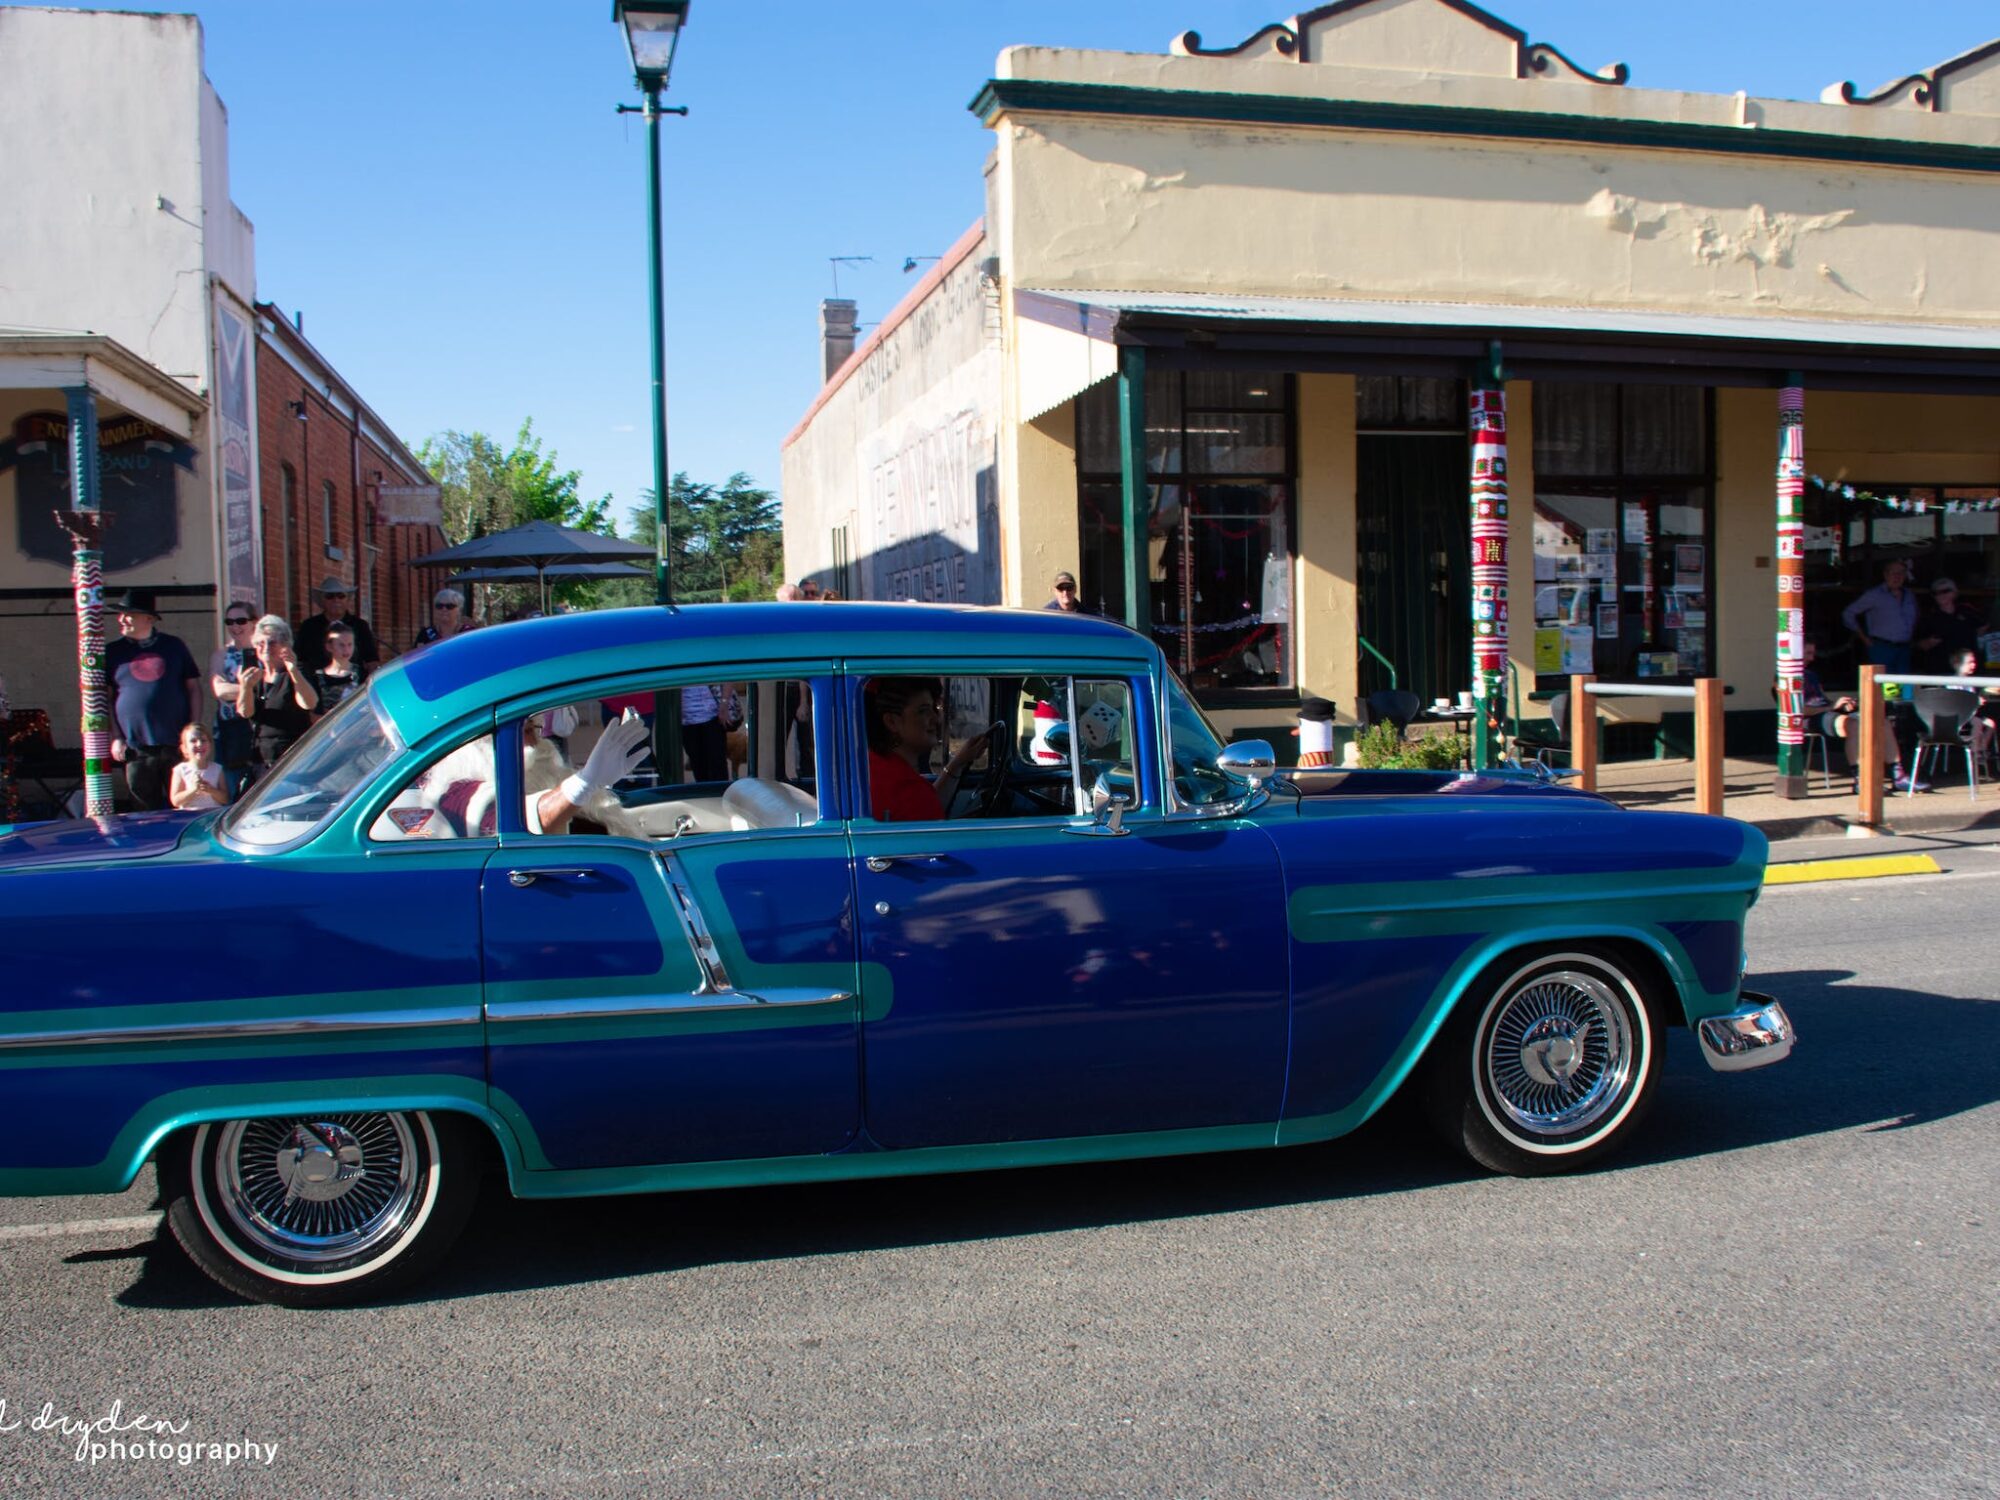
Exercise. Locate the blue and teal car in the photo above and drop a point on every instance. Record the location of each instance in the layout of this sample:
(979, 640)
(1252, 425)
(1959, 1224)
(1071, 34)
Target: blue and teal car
(441, 942)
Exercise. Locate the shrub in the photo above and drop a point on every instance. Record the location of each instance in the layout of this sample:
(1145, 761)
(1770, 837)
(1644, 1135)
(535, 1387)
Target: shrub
(1381, 747)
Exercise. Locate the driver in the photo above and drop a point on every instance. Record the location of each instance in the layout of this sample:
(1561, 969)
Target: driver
(902, 714)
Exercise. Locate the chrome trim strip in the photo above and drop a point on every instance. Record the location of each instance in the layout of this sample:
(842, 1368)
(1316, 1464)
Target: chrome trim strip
(1750, 1036)
(209, 1031)
(714, 977)
(593, 1008)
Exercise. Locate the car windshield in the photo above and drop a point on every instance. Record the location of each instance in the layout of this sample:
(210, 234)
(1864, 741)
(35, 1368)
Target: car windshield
(335, 757)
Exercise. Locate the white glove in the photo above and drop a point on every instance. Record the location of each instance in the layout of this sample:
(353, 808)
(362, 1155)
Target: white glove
(620, 748)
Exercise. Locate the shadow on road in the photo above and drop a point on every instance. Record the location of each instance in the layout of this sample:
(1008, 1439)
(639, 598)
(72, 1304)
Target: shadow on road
(1871, 1057)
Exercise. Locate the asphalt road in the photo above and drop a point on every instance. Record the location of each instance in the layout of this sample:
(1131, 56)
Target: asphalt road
(1791, 1288)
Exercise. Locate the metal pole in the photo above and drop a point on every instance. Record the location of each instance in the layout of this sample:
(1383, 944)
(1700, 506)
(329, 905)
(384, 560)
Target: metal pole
(663, 579)
(1137, 507)
(1791, 778)
(1489, 564)
(83, 524)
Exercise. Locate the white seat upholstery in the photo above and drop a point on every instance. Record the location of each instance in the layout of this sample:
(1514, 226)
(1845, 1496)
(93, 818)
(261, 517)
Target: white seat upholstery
(756, 803)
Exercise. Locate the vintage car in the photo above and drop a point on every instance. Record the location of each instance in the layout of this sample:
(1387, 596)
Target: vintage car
(464, 928)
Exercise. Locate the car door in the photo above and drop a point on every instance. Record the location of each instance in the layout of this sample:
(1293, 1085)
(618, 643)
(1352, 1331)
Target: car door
(681, 998)
(1027, 979)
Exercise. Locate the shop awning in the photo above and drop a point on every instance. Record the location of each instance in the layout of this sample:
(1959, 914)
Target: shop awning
(56, 362)
(1068, 341)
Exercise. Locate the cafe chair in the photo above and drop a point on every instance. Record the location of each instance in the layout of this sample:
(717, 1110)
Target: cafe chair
(1399, 706)
(1943, 714)
(1538, 740)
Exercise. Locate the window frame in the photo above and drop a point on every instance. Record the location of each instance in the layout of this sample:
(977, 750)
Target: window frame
(1623, 486)
(1140, 696)
(1187, 479)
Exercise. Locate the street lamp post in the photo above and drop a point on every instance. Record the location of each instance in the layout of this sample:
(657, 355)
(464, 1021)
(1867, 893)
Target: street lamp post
(652, 32)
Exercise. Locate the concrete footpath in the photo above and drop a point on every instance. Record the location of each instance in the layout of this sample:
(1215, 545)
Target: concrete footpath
(1822, 813)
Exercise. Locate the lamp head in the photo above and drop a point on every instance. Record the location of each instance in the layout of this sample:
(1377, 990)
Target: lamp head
(652, 30)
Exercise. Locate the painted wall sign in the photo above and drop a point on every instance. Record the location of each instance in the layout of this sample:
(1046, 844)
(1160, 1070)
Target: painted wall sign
(141, 503)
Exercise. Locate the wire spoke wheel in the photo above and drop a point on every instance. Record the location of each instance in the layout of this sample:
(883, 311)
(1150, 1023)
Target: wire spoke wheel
(1553, 1067)
(317, 1190)
(1559, 1053)
(324, 1208)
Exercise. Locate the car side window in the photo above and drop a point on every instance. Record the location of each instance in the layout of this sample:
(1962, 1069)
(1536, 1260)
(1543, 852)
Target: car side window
(451, 798)
(995, 747)
(747, 760)
(1195, 746)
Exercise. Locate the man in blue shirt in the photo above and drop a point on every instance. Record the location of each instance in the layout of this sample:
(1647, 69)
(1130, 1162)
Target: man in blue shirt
(1885, 619)
(158, 691)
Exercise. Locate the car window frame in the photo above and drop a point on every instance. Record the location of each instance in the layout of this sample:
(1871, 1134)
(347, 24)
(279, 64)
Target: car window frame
(817, 672)
(1137, 677)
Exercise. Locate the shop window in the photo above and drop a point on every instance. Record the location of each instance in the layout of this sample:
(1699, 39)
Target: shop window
(1409, 403)
(1624, 501)
(1219, 449)
(1849, 541)
(327, 498)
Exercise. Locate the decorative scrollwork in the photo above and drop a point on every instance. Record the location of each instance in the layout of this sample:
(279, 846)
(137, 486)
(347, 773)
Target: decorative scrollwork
(1540, 57)
(1922, 88)
(1276, 37)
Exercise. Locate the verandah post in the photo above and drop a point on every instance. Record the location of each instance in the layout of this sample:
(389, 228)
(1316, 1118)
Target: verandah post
(1488, 413)
(1791, 777)
(1708, 783)
(1132, 471)
(83, 524)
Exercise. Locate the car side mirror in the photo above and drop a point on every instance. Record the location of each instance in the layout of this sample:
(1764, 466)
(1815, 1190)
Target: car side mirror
(1107, 808)
(1249, 760)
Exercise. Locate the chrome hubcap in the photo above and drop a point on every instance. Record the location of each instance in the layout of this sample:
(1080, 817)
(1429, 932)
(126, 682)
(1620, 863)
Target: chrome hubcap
(320, 1189)
(1559, 1053)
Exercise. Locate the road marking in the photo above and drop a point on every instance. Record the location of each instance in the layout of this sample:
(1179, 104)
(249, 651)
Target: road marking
(77, 1227)
(1863, 867)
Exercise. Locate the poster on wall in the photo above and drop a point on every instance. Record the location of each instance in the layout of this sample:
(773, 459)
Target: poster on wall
(1579, 649)
(235, 363)
(137, 465)
(1635, 523)
(1548, 650)
(1607, 622)
(1545, 601)
(1601, 539)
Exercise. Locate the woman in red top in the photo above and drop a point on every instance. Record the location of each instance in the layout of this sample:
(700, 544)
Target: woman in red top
(902, 729)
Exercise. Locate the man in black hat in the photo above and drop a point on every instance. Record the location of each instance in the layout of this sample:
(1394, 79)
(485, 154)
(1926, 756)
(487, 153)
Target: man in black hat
(158, 690)
(1065, 597)
(309, 638)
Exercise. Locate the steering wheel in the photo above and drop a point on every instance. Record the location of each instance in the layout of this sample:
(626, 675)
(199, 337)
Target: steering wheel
(994, 785)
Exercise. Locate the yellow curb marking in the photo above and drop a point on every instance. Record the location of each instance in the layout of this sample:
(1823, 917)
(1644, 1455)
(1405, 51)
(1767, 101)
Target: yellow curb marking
(1866, 867)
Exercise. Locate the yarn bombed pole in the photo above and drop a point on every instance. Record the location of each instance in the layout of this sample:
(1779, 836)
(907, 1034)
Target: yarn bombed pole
(1489, 568)
(84, 524)
(1791, 777)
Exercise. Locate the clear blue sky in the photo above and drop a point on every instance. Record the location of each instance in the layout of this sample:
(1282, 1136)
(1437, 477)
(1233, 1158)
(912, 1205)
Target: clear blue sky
(443, 188)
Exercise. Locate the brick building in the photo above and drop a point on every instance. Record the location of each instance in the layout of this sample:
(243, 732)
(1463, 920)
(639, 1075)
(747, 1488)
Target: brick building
(324, 459)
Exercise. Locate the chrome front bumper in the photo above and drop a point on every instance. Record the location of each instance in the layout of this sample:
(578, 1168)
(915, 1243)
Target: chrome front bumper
(1755, 1033)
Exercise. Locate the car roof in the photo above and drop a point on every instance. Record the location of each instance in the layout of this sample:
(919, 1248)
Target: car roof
(438, 682)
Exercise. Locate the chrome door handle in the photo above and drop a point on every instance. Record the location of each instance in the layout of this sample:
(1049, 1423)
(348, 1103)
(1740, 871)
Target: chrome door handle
(524, 878)
(880, 862)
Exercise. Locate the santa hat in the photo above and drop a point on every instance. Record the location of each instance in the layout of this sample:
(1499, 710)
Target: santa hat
(1039, 750)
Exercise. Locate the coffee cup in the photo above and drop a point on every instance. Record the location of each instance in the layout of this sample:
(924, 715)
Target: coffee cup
(1465, 702)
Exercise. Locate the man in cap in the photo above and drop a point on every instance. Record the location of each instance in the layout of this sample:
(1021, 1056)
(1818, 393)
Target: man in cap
(309, 639)
(1065, 598)
(158, 689)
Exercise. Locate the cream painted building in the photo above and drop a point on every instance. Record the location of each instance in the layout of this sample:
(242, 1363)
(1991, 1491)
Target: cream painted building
(1289, 260)
(128, 272)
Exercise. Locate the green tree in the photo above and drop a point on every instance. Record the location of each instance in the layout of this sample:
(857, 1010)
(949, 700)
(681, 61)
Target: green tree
(726, 541)
(484, 487)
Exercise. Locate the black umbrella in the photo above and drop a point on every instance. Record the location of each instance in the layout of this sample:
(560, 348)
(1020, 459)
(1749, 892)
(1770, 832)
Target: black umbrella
(538, 546)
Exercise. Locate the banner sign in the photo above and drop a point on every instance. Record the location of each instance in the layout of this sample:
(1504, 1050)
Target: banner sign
(242, 573)
(409, 505)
